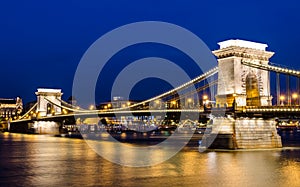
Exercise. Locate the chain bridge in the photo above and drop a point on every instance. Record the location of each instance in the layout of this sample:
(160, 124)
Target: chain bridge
(239, 87)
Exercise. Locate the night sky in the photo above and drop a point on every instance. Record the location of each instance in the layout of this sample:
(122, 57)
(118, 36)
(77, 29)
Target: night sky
(42, 42)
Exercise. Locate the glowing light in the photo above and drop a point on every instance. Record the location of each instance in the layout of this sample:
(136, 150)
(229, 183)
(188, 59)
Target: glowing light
(295, 96)
(65, 111)
(205, 97)
(282, 97)
(189, 100)
(108, 105)
(92, 107)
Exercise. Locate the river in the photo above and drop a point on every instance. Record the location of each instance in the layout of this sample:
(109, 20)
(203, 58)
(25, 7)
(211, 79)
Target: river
(43, 160)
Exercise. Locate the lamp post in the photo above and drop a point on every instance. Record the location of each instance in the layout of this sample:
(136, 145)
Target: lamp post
(205, 99)
(189, 101)
(282, 98)
(295, 98)
(91, 107)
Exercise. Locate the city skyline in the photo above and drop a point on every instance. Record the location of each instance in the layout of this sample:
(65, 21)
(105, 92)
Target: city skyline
(42, 43)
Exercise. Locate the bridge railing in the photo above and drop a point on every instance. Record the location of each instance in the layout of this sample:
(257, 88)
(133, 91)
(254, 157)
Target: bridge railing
(263, 109)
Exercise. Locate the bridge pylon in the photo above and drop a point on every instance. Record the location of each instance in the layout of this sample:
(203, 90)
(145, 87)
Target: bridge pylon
(48, 102)
(240, 84)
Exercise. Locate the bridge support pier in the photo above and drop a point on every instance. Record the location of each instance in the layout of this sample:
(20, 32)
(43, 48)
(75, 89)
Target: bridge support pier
(228, 133)
(35, 127)
(45, 127)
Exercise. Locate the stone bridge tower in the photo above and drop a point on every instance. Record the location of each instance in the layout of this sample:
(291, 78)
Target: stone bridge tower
(48, 101)
(239, 84)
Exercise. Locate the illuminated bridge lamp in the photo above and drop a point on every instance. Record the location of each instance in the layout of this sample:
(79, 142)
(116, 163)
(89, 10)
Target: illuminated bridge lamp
(65, 111)
(205, 99)
(91, 107)
(282, 98)
(295, 97)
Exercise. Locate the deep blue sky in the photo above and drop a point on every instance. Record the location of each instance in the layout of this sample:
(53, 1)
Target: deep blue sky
(42, 42)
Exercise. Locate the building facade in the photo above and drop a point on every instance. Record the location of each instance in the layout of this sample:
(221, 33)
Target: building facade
(10, 108)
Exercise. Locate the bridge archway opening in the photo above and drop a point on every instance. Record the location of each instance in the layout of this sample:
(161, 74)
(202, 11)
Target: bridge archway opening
(49, 108)
(252, 90)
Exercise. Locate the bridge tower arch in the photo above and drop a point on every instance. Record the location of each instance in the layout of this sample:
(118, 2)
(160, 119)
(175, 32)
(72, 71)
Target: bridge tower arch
(48, 101)
(252, 90)
(238, 83)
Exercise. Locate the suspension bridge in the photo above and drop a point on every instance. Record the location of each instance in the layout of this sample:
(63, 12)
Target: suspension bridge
(239, 86)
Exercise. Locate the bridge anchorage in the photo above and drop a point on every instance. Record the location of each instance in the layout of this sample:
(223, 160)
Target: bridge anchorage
(242, 111)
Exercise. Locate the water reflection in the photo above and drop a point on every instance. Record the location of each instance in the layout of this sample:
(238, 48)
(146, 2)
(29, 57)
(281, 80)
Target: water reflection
(38, 160)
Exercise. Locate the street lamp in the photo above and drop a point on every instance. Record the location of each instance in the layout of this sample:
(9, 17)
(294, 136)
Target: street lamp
(295, 97)
(282, 98)
(189, 101)
(91, 107)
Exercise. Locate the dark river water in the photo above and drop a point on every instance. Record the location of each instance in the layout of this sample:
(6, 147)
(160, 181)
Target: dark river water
(41, 160)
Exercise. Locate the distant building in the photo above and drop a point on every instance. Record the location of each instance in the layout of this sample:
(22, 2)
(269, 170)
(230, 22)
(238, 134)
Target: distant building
(117, 102)
(10, 107)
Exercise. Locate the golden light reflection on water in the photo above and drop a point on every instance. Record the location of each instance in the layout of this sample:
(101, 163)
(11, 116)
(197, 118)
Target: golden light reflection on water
(41, 160)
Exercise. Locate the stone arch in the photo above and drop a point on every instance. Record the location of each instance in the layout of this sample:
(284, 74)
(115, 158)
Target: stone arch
(252, 90)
